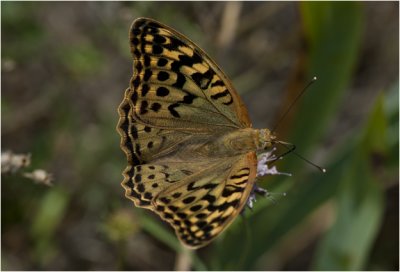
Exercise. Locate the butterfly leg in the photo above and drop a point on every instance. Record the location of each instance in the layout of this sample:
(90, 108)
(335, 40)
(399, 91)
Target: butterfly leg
(252, 197)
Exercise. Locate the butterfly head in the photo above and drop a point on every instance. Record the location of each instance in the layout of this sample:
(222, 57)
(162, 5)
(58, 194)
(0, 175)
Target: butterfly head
(266, 139)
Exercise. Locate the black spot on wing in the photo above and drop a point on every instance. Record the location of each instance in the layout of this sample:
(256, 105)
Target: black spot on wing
(188, 200)
(229, 190)
(201, 224)
(134, 132)
(185, 60)
(220, 94)
(138, 178)
(157, 49)
(174, 44)
(162, 62)
(147, 60)
(210, 198)
(168, 215)
(165, 200)
(171, 109)
(148, 195)
(140, 188)
(201, 215)
(229, 102)
(191, 186)
(155, 107)
(147, 74)
(173, 208)
(188, 99)
(143, 107)
(195, 208)
(239, 176)
(136, 82)
(210, 186)
(181, 215)
(139, 67)
(176, 195)
(136, 31)
(159, 39)
(154, 25)
(223, 94)
(180, 81)
(134, 97)
(162, 76)
(145, 90)
(217, 83)
(203, 79)
(162, 91)
(139, 23)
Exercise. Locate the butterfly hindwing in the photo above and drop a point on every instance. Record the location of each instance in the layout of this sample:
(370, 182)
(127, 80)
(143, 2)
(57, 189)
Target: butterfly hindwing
(204, 203)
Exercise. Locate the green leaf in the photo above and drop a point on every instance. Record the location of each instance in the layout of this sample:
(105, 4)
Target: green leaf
(48, 218)
(334, 37)
(359, 203)
(50, 213)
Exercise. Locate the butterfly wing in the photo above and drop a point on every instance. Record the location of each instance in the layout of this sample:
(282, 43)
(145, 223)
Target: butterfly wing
(176, 86)
(178, 97)
(199, 204)
(142, 143)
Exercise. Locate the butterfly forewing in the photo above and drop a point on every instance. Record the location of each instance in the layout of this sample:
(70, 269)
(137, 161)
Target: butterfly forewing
(179, 101)
(176, 85)
(142, 143)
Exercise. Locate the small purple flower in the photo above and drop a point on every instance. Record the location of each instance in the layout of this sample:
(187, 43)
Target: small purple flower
(262, 170)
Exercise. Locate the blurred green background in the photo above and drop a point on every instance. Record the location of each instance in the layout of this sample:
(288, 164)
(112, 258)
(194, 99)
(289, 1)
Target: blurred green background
(65, 66)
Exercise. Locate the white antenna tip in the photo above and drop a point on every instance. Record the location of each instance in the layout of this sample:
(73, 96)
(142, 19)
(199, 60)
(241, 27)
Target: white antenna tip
(323, 170)
(314, 78)
(284, 194)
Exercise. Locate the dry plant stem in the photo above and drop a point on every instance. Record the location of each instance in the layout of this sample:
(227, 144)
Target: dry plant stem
(229, 23)
(183, 261)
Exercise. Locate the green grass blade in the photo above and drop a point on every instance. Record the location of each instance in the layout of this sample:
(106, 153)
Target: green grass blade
(359, 203)
(334, 32)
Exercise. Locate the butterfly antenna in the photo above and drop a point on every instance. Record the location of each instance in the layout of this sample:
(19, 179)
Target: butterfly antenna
(294, 102)
(291, 150)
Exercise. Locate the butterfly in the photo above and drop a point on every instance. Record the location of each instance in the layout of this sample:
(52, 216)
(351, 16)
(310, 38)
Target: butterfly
(187, 136)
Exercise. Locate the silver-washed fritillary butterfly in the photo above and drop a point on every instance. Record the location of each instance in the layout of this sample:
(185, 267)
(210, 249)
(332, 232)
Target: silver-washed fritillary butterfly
(187, 136)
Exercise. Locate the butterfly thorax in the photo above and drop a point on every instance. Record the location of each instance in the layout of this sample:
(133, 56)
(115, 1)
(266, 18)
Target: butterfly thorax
(238, 142)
